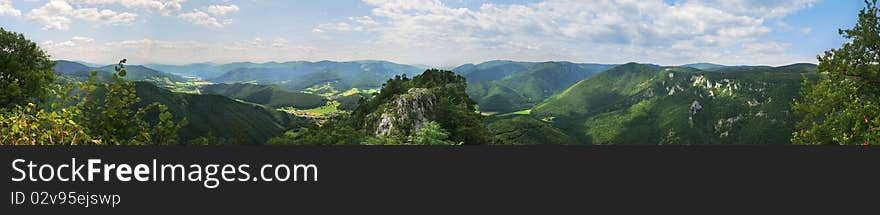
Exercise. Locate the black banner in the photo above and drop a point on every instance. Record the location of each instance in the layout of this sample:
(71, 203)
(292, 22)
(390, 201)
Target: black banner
(465, 180)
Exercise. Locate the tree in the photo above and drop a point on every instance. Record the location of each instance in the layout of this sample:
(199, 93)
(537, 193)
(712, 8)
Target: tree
(26, 73)
(111, 114)
(843, 106)
(34, 125)
(431, 134)
(34, 110)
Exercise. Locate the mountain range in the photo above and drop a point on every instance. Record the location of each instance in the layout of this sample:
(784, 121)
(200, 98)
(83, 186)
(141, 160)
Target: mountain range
(524, 102)
(133, 72)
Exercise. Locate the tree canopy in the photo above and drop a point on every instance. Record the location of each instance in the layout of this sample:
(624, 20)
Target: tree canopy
(26, 72)
(843, 106)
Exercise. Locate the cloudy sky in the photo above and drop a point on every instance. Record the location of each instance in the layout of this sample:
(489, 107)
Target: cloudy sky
(433, 32)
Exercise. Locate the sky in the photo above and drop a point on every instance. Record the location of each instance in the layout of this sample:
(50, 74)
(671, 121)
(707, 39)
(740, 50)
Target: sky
(434, 32)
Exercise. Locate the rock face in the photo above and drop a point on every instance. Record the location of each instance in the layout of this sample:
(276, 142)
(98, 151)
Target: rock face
(407, 112)
(404, 106)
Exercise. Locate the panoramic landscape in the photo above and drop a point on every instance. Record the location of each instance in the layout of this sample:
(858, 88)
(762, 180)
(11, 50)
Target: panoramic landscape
(439, 73)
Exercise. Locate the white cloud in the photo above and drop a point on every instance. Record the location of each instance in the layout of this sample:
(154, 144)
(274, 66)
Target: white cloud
(81, 39)
(364, 20)
(204, 18)
(73, 42)
(256, 42)
(201, 18)
(766, 47)
(57, 14)
(105, 16)
(600, 30)
(6, 9)
(759, 8)
(279, 42)
(221, 10)
(52, 15)
(339, 26)
(164, 7)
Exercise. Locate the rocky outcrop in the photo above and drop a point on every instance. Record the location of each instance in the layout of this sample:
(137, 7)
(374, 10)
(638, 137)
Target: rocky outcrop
(406, 113)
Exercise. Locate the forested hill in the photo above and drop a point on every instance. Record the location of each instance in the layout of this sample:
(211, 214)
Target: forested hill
(215, 119)
(507, 86)
(649, 104)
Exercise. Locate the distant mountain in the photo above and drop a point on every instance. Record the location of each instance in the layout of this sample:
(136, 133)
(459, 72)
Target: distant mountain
(506, 86)
(200, 70)
(269, 95)
(72, 69)
(423, 66)
(134, 72)
(299, 75)
(648, 104)
(491, 70)
(219, 116)
(704, 66)
(88, 64)
(142, 73)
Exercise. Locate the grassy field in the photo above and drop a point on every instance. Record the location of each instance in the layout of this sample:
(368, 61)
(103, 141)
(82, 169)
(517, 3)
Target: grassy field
(332, 107)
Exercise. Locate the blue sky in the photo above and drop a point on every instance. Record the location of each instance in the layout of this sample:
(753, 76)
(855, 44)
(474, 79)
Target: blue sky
(433, 32)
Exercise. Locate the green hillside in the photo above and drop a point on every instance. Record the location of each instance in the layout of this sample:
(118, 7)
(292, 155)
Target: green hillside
(269, 95)
(504, 86)
(648, 104)
(220, 117)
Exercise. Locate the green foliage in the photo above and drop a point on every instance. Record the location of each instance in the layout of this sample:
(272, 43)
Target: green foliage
(382, 140)
(34, 112)
(524, 130)
(110, 113)
(209, 140)
(89, 113)
(843, 106)
(453, 109)
(26, 72)
(32, 125)
(431, 134)
(329, 134)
